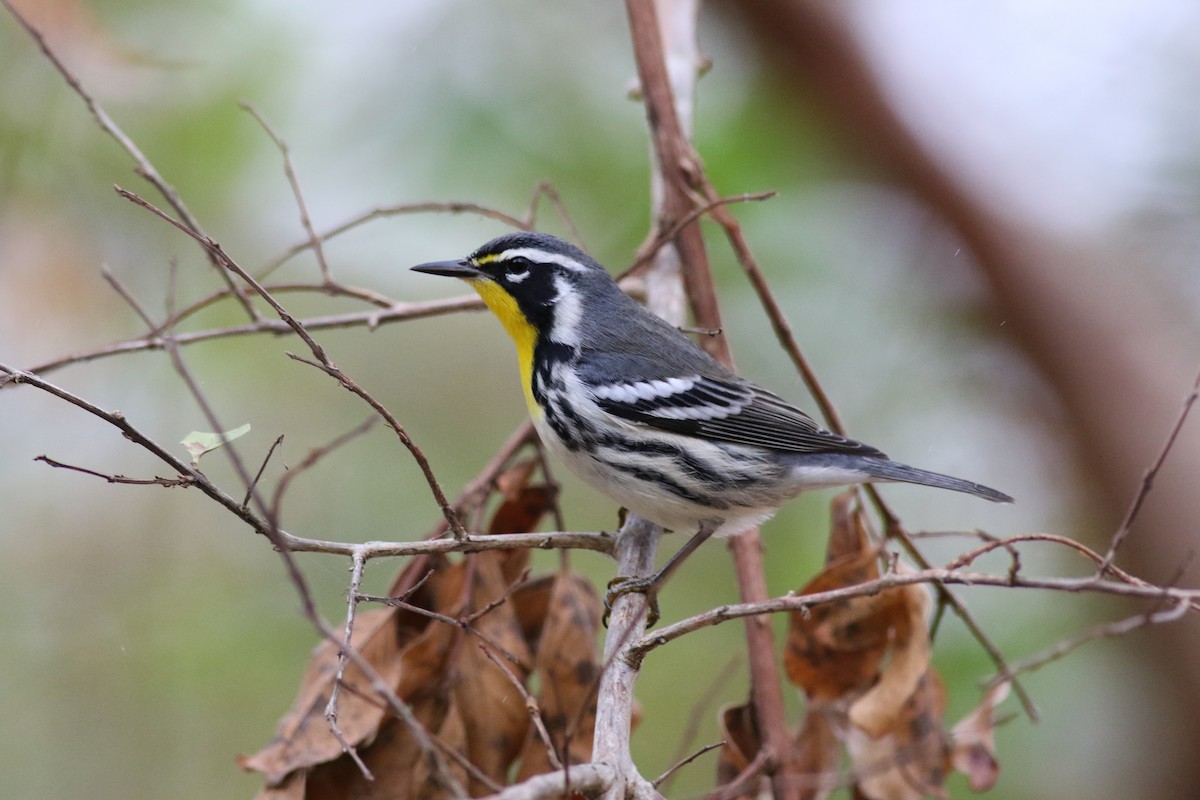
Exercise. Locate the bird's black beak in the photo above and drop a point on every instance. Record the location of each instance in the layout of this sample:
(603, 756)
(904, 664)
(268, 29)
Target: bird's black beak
(451, 269)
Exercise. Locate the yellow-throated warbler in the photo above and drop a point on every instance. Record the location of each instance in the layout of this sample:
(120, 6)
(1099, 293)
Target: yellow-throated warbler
(643, 414)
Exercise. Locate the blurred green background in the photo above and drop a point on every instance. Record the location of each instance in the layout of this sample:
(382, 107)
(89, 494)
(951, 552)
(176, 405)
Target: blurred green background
(150, 638)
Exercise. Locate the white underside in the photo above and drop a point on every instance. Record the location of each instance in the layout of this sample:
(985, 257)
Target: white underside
(676, 513)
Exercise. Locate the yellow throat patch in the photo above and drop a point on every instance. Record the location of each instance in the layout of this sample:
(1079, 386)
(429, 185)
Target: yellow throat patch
(523, 334)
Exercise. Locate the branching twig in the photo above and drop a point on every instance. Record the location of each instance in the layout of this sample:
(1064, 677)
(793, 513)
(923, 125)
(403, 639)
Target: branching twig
(648, 250)
(142, 165)
(118, 421)
(472, 543)
(934, 576)
(322, 360)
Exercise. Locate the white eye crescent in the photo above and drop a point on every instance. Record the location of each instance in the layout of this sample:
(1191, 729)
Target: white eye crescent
(516, 277)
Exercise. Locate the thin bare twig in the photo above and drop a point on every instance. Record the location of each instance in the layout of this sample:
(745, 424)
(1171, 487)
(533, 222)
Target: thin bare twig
(289, 171)
(275, 509)
(791, 602)
(531, 707)
(464, 622)
(547, 190)
(779, 321)
(648, 250)
(261, 469)
(401, 209)
(167, 482)
(358, 564)
(475, 493)
(598, 542)
(662, 781)
(126, 295)
(1175, 610)
(118, 421)
(992, 543)
(947, 597)
(418, 455)
(1149, 476)
(275, 327)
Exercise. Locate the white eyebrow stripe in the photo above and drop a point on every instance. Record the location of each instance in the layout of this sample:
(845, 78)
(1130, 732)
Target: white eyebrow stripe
(535, 255)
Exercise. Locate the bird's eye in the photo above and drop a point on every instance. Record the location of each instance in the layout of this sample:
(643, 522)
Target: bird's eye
(516, 269)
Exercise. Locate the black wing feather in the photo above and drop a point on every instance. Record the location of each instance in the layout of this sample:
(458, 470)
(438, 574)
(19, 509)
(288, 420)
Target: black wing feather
(738, 413)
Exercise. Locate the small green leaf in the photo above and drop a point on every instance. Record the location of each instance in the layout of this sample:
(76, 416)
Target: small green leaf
(198, 443)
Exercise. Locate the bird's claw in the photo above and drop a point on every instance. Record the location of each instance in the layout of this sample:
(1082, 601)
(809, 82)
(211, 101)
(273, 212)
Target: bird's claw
(622, 585)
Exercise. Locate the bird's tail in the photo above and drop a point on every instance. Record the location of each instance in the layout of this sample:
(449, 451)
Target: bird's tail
(894, 471)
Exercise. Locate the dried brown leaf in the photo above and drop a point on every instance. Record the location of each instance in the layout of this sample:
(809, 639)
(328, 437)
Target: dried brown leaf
(304, 738)
(400, 768)
(520, 511)
(292, 788)
(531, 601)
(973, 741)
(408, 653)
(911, 759)
(817, 752)
(492, 709)
(865, 665)
(523, 510)
(848, 534)
(743, 740)
(836, 648)
(568, 666)
(424, 778)
(876, 711)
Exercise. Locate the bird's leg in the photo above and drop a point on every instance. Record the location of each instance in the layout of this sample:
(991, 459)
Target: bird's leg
(650, 585)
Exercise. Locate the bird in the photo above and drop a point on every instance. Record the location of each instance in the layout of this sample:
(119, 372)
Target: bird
(643, 414)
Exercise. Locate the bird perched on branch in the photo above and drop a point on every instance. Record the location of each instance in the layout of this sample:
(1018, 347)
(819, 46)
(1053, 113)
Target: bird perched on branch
(640, 412)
